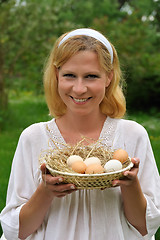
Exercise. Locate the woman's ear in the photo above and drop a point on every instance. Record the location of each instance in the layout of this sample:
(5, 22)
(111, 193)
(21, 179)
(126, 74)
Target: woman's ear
(109, 78)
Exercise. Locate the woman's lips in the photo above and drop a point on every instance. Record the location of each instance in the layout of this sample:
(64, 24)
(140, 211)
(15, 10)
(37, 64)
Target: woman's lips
(80, 100)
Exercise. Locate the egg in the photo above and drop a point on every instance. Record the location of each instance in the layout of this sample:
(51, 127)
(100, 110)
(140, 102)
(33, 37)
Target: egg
(120, 155)
(113, 165)
(92, 160)
(79, 166)
(94, 168)
(72, 159)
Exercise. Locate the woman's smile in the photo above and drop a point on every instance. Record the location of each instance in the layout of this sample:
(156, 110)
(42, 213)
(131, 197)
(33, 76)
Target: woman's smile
(80, 101)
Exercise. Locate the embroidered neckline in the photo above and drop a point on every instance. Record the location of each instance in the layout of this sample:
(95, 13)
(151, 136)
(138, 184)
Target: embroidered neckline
(106, 135)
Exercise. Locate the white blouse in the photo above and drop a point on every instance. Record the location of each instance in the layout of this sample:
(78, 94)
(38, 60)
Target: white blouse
(84, 214)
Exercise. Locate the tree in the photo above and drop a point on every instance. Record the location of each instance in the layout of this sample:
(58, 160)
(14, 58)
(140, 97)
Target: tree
(137, 42)
(29, 29)
(3, 39)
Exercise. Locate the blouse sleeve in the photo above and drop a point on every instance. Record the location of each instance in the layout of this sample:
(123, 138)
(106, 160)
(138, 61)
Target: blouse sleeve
(23, 182)
(150, 183)
(148, 174)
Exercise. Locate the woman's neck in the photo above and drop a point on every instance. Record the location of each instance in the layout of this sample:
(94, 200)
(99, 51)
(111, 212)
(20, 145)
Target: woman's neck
(73, 128)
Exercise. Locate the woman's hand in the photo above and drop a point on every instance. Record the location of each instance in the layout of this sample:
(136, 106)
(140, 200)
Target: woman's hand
(54, 185)
(130, 176)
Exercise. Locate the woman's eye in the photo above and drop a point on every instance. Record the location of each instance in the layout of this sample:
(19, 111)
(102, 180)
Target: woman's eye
(92, 76)
(69, 75)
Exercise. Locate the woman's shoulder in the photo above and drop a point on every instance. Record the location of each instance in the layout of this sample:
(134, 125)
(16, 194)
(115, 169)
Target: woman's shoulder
(132, 127)
(35, 130)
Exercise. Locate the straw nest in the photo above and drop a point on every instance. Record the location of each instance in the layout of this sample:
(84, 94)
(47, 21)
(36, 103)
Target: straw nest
(56, 163)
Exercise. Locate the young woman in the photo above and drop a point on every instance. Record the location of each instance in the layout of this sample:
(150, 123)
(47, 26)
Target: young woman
(83, 87)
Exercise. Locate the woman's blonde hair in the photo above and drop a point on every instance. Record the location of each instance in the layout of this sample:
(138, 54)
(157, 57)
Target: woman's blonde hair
(113, 104)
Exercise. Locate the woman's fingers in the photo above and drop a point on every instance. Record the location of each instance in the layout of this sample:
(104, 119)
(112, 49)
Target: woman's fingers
(48, 179)
(43, 168)
(55, 184)
(129, 176)
(136, 162)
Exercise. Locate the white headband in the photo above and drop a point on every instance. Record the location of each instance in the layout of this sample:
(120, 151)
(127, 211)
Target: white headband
(90, 33)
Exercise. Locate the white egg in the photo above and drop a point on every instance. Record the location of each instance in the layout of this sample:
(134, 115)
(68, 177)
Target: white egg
(92, 160)
(113, 165)
(72, 159)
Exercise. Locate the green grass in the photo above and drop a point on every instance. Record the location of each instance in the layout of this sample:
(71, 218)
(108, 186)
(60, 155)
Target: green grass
(152, 125)
(28, 109)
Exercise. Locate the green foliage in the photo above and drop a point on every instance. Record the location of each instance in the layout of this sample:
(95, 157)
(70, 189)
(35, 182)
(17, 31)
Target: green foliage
(30, 28)
(27, 36)
(137, 43)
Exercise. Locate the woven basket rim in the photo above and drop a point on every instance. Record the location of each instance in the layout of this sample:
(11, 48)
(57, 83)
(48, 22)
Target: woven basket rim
(130, 165)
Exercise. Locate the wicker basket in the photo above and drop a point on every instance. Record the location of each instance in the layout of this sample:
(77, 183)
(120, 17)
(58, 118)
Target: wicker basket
(56, 164)
(91, 181)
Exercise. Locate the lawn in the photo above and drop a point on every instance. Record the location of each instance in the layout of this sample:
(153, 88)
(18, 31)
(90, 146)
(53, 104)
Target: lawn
(27, 109)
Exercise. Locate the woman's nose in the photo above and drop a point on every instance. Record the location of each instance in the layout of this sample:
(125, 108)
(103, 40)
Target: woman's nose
(79, 86)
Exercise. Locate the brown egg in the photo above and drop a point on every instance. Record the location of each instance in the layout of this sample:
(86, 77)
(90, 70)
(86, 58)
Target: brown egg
(79, 167)
(120, 155)
(94, 168)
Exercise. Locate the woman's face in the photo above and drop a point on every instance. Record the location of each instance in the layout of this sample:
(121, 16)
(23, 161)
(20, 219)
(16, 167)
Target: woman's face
(82, 83)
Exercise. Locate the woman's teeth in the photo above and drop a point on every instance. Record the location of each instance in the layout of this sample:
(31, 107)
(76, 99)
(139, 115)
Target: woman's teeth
(80, 99)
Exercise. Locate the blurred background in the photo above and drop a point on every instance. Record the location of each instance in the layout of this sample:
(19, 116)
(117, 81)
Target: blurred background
(28, 30)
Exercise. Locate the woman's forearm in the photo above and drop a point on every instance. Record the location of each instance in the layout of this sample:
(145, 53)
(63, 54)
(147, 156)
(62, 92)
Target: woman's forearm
(33, 212)
(135, 206)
